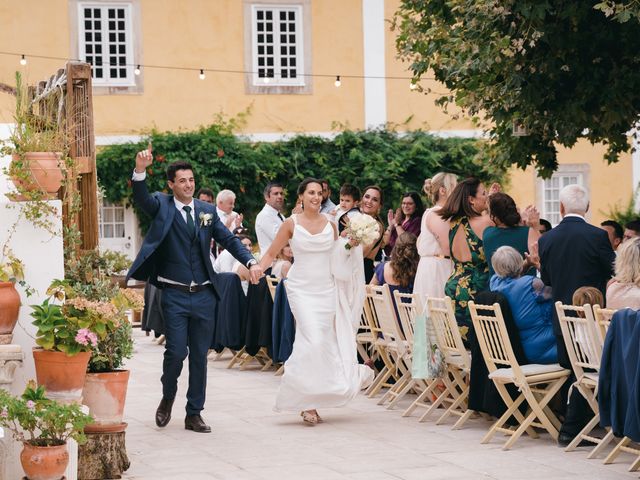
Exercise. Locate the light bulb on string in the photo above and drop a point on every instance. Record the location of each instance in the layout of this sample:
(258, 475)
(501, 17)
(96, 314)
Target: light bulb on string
(202, 75)
(337, 83)
(23, 60)
(137, 70)
(265, 79)
(413, 85)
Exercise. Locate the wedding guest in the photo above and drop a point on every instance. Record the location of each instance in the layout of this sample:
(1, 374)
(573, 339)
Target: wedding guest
(283, 262)
(465, 209)
(349, 201)
(624, 290)
(206, 195)
(545, 226)
(407, 218)
(435, 265)
(327, 205)
(226, 263)
(371, 205)
(270, 218)
(614, 231)
(225, 202)
(572, 255)
(631, 229)
(508, 231)
(530, 301)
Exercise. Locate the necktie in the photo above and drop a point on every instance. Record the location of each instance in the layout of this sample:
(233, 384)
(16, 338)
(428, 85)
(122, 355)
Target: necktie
(280, 217)
(191, 227)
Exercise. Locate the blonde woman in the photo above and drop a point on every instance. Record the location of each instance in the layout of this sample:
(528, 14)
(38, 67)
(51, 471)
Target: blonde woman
(624, 289)
(435, 266)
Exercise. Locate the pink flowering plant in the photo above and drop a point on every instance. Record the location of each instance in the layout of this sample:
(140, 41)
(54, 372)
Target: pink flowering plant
(34, 419)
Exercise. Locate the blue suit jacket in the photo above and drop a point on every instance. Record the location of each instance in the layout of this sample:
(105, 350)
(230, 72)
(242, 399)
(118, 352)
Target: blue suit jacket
(161, 207)
(572, 255)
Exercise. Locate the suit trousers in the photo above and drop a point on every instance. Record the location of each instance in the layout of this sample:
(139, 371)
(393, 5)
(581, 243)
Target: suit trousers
(578, 412)
(189, 326)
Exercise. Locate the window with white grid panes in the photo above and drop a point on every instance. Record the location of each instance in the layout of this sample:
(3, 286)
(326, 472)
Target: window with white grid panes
(105, 41)
(277, 45)
(552, 187)
(112, 221)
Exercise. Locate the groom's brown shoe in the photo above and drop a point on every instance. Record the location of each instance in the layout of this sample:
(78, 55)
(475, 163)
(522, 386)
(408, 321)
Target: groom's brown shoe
(195, 423)
(163, 413)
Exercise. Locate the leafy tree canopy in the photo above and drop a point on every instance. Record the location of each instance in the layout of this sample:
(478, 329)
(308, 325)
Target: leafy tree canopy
(562, 70)
(398, 163)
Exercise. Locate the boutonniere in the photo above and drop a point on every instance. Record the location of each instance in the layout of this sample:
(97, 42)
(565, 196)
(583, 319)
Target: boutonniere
(205, 219)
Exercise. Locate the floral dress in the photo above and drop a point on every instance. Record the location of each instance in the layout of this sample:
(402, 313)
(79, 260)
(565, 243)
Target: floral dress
(468, 278)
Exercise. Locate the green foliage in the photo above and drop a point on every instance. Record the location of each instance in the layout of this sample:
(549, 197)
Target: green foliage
(398, 163)
(39, 421)
(620, 11)
(623, 214)
(562, 70)
(110, 353)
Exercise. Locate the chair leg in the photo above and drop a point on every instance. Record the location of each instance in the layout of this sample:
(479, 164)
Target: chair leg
(584, 434)
(601, 446)
(635, 466)
(617, 450)
(419, 402)
(236, 358)
(462, 420)
(410, 384)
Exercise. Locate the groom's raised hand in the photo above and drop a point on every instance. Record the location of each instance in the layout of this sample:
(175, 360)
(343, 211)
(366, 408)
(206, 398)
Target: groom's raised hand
(144, 158)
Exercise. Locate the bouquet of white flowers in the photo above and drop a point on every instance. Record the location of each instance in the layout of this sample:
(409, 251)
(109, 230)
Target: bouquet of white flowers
(362, 228)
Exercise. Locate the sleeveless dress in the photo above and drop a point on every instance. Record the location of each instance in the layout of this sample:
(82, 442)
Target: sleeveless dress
(434, 269)
(496, 237)
(323, 369)
(468, 278)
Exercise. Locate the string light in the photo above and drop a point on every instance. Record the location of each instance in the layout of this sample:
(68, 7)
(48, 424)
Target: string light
(265, 79)
(137, 70)
(23, 60)
(202, 75)
(337, 83)
(413, 85)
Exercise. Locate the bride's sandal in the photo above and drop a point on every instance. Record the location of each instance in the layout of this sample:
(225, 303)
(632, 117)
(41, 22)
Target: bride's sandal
(309, 418)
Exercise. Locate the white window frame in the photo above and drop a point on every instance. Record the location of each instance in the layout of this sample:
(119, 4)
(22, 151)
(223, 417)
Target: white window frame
(102, 223)
(130, 80)
(579, 171)
(277, 80)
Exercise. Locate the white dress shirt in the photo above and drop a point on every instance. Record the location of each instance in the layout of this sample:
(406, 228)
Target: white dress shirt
(268, 223)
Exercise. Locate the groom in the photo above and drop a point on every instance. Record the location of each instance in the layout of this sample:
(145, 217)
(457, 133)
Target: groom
(175, 257)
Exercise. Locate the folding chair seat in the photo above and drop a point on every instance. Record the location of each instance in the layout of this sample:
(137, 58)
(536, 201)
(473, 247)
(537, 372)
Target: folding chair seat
(537, 384)
(388, 339)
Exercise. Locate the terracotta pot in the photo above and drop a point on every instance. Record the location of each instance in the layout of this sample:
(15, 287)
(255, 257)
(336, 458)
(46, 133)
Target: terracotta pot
(46, 172)
(105, 394)
(60, 374)
(44, 463)
(9, 307)
(119, 280)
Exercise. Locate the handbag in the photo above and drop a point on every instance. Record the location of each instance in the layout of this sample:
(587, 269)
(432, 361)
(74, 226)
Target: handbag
(428, 361)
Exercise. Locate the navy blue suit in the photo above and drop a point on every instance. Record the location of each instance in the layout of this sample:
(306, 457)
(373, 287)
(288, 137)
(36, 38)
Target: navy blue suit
(169, 251)
(572, 255)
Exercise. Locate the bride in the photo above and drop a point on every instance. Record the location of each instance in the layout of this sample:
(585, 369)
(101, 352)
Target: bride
(325, 289)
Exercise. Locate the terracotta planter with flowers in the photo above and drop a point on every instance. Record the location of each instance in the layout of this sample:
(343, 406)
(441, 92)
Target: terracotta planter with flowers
(37, 171)
(44, 463)
(61, 375)
(9, 308)
(105, 394)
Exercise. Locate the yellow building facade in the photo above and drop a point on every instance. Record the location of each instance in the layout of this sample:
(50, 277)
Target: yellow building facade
(151, 52)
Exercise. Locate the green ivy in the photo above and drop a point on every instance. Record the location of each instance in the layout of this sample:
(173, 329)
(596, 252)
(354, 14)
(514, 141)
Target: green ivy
(396, 162)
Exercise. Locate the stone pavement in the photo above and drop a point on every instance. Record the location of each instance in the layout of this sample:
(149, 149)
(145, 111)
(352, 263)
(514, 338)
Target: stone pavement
(361, 441)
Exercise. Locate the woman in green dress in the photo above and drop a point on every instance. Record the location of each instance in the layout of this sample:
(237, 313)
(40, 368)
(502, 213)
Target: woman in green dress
(465, 210)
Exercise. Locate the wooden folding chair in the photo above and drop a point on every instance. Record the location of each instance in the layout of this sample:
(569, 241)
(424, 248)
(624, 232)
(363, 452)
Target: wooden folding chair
(457, 363)
(584, 347)
(625, 446)
(603, 319)
(536, 383)
(272, 283)
(408, 307)
(388, 339)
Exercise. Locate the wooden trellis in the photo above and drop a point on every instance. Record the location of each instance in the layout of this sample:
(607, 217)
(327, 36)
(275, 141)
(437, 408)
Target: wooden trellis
(66, 99)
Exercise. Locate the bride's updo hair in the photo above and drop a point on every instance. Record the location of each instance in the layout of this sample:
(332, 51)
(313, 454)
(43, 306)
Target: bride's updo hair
(432, 186)
(304, 183)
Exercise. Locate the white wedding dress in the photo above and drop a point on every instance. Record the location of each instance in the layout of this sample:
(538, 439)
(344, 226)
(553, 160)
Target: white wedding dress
(325, 289)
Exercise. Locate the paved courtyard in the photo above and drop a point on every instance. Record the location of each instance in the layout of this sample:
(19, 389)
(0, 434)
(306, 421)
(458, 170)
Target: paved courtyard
(362, 441)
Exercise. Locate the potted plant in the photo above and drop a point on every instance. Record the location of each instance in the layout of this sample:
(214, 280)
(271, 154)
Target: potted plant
(66, 332)
(37, 146)
(115, 265)
(11, 271)
(105, 387)
(43, 426)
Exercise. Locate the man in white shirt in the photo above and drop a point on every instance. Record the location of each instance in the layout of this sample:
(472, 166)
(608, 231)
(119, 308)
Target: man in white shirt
(270, 217)
(327, 205)
(225, 201)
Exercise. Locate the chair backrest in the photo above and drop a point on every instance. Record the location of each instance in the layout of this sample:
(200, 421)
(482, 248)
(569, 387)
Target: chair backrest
(603, 319)
(381, 314)
(408, 309)
(581, 337)
(272, 282)
(493, 337)
(448, 337)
